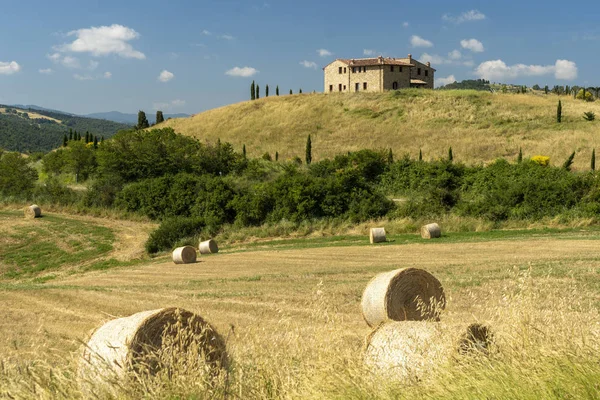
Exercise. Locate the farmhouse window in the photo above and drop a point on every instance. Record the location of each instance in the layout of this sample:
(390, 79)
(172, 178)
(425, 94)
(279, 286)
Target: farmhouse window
(344, 87)
(353, 70)
(340, 70)
(365, 86)
(356, 87)
(344, 69)
(395, 85)
(331, 88)
(340, 87)
(400, 69)
(418, 71)
(392, 68)
(426, 72)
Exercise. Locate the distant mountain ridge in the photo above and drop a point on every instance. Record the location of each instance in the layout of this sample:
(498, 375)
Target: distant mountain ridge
(124, 118)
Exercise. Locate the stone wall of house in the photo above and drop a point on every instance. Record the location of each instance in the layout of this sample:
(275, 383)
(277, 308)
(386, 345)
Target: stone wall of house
(333, 78)
(400, 75)
(370, 75)
(422, 67)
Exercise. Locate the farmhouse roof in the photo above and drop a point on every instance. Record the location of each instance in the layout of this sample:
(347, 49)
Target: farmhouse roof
(362, 62)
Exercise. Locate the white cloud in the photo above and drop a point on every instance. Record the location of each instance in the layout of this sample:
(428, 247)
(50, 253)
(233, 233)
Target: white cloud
(84, 77)
(417, 41)
(93, 65)
(54, 57)
(405, 24)
(227, 37)
(324, 52)
(498, 70)
(107, 75)
(455, 57)
(206, 33)
(9, 68)
(46, 71)
(102, 41)
(472, 15)
(162, 105)
(70, 62)
(165, 76)
(369, 52)
(308, 64)
(472, 44)
(243, 72)
(445, 81)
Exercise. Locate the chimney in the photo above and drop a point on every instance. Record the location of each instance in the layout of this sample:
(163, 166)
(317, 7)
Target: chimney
(428, 64)
(410, 57)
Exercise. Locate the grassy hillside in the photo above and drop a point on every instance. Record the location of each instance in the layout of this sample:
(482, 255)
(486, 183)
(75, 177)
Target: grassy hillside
(42, 130)
(479, 126)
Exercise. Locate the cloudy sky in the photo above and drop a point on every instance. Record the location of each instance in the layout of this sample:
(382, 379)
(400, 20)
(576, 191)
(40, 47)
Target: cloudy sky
(188, 56)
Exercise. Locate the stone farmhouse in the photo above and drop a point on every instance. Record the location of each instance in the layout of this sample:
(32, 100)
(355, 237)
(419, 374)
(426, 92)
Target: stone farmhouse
(377, 74)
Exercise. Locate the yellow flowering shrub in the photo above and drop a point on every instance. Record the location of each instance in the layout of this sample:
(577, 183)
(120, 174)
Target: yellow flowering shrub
(541, 160)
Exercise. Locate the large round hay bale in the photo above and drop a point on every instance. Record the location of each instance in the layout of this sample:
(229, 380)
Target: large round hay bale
(33, 211)
(413, 350)
(184, 255)
(141, 343)
(208, 247)
(377, 235)
(406, 294)
(431, 231)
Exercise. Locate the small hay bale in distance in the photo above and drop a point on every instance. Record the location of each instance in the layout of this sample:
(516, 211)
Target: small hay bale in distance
(431, 231)
(406, 294)
(184, 255)
(146, 343)
(377, 235)
(33, 211)
(208, 247)
(412, 350)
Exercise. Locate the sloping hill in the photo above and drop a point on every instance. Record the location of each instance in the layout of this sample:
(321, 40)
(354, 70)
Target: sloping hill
(42, 130)
(131, 119)
(479, 126)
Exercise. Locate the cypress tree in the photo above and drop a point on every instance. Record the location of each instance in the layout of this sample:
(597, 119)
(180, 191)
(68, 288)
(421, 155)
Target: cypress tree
(390, 157)
(95, 142)
(159, 117)
(546, 89)
(300, 91)
(567, 89)
(244, 151)
(520, 156)
(276, 156)
(569, 162)
(593, 162)
(87, 137)
(252, 91)
(257, 92)
(65, 140)
(583, 98)
(308, 151)
(420, 155)
(70, 134)
(277, 90)
(79, 137)
(142, 121)
(559, 112)
(267, 91)
(450, 156)
(102, 140)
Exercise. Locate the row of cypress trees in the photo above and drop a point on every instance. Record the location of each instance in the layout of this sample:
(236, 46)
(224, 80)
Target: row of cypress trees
(255, 91)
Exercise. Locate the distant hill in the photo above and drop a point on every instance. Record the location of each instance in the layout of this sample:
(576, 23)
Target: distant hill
(131, 119)
(28, 130)
(39, 108)
(473, 84)
(479, 126)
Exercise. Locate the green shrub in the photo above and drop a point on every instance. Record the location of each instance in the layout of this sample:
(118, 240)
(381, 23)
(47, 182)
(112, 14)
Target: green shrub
(52, 191)
(172, 231)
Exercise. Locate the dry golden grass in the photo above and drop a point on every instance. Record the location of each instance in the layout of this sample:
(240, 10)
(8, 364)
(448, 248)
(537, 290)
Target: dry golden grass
(479, 126)
(32, 115)
(294, 328)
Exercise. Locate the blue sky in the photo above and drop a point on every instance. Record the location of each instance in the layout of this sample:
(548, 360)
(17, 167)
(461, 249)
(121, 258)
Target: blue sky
(189, 56)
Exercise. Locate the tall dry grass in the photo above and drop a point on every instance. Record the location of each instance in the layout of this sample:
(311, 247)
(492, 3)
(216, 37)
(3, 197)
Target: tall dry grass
(479, 126)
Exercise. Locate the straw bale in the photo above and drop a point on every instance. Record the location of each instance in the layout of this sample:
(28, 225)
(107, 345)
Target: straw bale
(208, 247)
(413, 350)
(406, 294)
(431, 231)
(377, 235)
(184, 255)
(128, 346)
(33, 211)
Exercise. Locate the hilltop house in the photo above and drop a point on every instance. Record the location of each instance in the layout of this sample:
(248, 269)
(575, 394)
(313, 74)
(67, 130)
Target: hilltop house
(377, 74)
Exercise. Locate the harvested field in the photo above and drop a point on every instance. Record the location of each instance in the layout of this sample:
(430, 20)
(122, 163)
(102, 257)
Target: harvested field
(292, 320)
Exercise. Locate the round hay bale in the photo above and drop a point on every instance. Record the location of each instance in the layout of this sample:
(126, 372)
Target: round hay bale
(404, 294)
(411, 350)
(137, 345)
(184, 255)
(208, 247)
(431, 231)
(33, 211)
(377, 235)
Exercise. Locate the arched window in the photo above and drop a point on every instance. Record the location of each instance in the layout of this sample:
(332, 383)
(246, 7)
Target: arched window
(395, 85)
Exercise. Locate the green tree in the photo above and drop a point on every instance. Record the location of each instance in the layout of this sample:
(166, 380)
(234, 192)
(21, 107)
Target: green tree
(87, 137)
(277, 90)
(17, 178)
(244, 151)
(291, 91)
(159, 117)
(142, 121)
(82, 160)
(65, 140)
(308, 157)
(95, 142)
(593, 162)
(276, 156)
(450, 156)
(569, 162)
(420, 155)
(252, 91)
(257, 92)
(520, 156)
(546, 89)
(70, 134)
(300, 91)
(559, 112)
(390, 157)
(267, 91)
